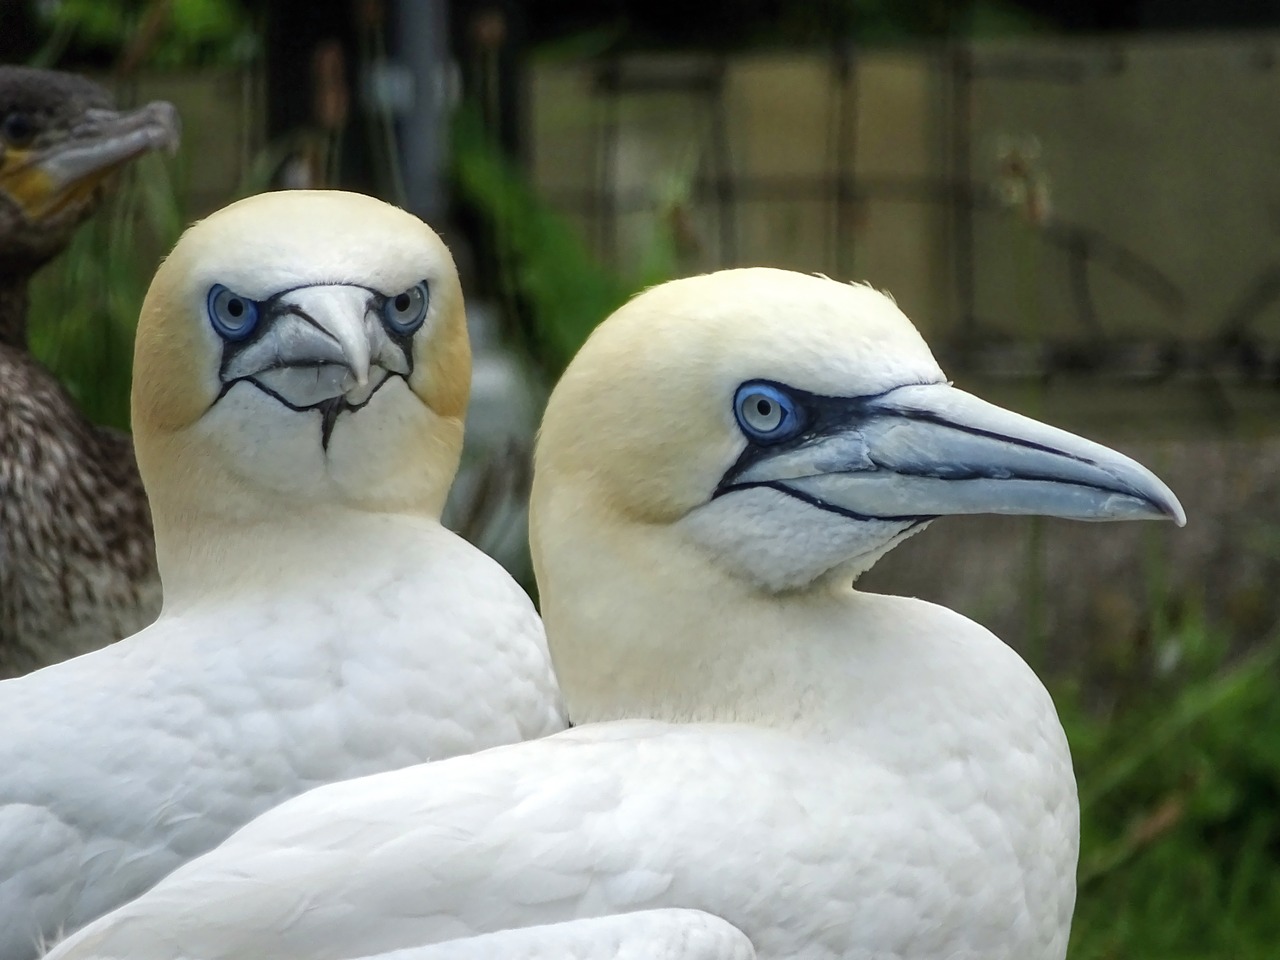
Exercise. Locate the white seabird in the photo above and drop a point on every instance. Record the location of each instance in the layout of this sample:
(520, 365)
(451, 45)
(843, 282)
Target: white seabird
(301, 376)
(832, 773)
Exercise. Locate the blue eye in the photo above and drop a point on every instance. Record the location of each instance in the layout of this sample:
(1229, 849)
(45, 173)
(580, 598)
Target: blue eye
(766, 413)
(405, 312)
(232, 316)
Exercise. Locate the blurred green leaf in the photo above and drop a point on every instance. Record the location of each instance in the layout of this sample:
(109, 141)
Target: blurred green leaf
(1180, 810)
(84, 306)
(194, 32)
(546, 267)
(96, 21)
(206, 20)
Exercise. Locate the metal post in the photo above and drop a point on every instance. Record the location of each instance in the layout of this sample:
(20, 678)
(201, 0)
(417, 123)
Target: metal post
(420, 45)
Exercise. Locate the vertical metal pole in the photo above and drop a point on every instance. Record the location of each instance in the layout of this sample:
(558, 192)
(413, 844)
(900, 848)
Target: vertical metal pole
(420, 43)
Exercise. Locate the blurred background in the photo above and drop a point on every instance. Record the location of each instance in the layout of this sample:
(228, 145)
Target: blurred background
(1077, 203)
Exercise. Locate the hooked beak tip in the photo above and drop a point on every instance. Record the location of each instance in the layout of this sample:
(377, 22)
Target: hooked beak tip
(168, 132)
(1157, 501)
(1172, 510)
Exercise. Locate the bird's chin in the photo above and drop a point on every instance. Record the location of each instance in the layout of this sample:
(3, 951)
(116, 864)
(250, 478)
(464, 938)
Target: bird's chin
(780, 543)
(321, 386)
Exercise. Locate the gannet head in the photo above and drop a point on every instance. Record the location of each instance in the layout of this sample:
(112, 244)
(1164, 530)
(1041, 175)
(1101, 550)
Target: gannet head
(301, 347)
(790, 430)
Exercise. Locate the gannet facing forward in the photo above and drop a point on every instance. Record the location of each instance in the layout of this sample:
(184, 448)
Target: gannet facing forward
(301, 375)
(832, 773)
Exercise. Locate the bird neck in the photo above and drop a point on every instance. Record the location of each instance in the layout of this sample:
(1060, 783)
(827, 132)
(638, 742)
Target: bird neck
(229, 558)
(641, 624)
(14, 303)
(218, 534)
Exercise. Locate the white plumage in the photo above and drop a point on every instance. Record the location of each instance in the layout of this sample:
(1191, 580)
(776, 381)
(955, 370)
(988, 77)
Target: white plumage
(830, 773)
(671, 934)
(319, 622)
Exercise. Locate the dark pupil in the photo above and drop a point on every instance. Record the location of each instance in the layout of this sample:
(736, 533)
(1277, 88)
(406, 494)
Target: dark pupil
(235, 307)
(764, 407)
(18, 127)
(402, 303)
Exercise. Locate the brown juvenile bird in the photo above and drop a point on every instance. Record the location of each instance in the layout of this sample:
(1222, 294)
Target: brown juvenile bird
(77, 560)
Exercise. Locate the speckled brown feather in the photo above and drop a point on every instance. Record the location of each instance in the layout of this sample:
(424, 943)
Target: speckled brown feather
(77, 563)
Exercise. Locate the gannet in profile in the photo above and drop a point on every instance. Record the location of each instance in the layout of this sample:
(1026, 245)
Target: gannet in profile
(832, 773)
(301, 375)
(77, 564)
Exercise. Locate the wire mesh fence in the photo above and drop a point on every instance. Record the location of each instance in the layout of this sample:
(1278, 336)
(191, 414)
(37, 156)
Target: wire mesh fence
(1048, 208)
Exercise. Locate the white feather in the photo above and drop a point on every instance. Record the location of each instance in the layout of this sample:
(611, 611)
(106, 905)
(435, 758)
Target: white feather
(648, 935)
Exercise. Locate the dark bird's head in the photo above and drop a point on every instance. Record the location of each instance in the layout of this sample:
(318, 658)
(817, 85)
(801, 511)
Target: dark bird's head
(60, 139)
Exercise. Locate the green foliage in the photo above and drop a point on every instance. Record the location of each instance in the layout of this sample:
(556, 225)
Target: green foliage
(1180, 807)
(547, 272)
(91, 21)
(193, 32)
(204, 25)
(84, 306)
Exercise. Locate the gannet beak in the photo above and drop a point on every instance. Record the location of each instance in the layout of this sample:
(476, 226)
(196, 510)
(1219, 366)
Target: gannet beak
(46, 178)
(924, 451)
(315, 344)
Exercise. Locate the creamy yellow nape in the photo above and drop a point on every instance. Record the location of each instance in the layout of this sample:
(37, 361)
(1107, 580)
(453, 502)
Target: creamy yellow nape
(229, 455)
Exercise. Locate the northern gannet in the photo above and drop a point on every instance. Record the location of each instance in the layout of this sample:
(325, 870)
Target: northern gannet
(832, 773)
(77, 564)
(301, 376)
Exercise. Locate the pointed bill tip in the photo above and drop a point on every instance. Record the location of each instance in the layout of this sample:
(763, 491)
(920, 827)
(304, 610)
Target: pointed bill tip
(1149, 496)
(1140, 505)
(1171, 509)
(164, 126)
